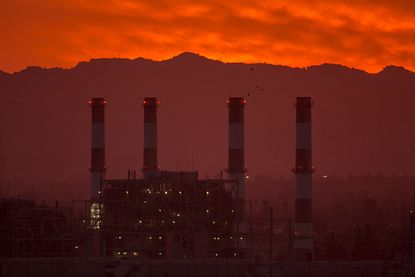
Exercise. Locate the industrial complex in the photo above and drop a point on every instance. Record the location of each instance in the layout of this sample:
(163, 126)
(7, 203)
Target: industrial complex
(168, 214)
(148, 223)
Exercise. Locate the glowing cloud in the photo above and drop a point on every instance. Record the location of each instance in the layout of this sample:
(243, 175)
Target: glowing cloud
(366, 34)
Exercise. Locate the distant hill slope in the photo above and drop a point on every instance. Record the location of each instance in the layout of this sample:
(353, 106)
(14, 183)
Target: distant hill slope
(361, 122)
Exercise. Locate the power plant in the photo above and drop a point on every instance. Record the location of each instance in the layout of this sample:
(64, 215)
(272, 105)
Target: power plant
(172, 214)
(168, 214)
(174, 223)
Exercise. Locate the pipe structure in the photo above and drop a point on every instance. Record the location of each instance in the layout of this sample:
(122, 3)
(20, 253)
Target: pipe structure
(150, 164)
(236, 154)
(97, 166)
(303, 236)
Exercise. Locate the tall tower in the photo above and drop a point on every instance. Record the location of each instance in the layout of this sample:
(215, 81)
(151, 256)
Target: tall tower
(303, 241)
(93, 243)
(236, 155)
(97, 167)
(150, 164)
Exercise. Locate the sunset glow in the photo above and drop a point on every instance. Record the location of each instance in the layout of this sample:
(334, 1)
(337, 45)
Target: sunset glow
(366, 34)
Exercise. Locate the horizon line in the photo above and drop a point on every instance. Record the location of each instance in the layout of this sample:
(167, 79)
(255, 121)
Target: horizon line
(28, 67)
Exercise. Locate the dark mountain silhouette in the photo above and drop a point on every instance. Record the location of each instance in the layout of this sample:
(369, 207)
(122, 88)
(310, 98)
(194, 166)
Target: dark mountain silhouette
(362, 122)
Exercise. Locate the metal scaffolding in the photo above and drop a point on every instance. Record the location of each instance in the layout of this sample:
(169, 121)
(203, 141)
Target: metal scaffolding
(174, 215)
(30, 230)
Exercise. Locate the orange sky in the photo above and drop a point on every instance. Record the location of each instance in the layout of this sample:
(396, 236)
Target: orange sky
(366, 34)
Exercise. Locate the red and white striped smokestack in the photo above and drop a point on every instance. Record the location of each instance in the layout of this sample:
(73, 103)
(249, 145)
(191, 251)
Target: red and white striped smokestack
(97, 167)
(236, 155)
(150, 164)
(303, 242)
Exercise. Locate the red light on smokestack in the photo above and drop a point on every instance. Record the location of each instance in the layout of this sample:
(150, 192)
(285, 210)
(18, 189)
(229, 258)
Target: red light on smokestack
(150, 163)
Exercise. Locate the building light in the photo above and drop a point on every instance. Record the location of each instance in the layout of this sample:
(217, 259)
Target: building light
(160, 237)
(234, 254)
(140, 221)
(159, 210)
(99, 192)
(124, 253)
(216, 254)
(135, 253)
(145, 201)
(232, 211)
(180, 192)
(213, 222)
(160, 253)
(178, 215)
(165, 192)
(241, 238)
(76, 246)
(207, 211)
(207, 192)
(150, 237)
(126, 191)
(173, 221)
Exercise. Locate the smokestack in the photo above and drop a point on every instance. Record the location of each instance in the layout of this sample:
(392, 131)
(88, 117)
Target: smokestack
(97, 144)
(303, 242)
(150, 165)
(236, 155)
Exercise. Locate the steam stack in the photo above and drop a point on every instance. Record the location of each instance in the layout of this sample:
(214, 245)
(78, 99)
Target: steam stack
(236, 155)
(303, 243)
(97, 144)
(150, 165)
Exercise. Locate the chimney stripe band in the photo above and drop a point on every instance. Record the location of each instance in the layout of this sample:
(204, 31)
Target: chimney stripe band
(98, 140)
(150, 135)
(303, 186)
(236, 135)
(303, 210)
(303, 138)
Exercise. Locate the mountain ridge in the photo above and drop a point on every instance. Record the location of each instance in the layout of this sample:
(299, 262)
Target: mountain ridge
(195, 57)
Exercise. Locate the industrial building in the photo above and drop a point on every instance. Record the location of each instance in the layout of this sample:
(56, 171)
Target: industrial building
(168, 214)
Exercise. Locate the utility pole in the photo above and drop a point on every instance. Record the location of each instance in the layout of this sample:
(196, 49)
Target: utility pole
(271, 231)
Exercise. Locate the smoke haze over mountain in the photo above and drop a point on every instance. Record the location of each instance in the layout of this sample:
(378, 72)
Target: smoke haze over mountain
(361, 122)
